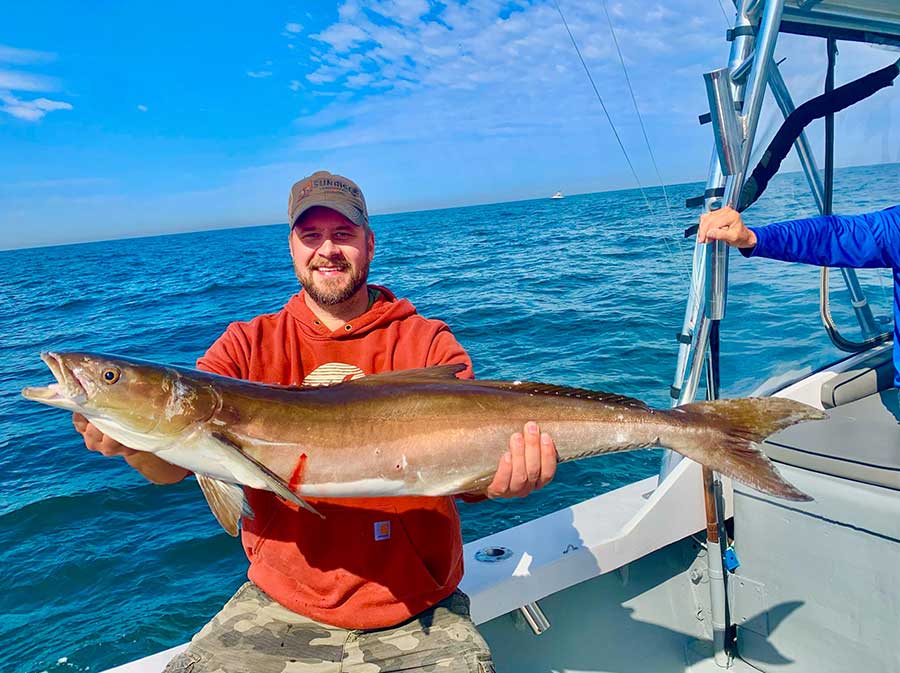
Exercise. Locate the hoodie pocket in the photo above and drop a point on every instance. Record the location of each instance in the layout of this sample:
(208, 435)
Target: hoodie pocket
(414, 560)
(366, 546)
(434, 539)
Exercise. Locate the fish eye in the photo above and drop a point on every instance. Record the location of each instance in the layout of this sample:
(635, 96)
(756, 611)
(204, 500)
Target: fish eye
(111, 375)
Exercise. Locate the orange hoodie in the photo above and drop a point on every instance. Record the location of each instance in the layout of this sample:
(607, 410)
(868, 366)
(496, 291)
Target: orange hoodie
(371, 562)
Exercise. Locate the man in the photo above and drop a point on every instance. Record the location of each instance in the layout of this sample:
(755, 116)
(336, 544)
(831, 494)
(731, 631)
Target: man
(372, 586)
(871, 241)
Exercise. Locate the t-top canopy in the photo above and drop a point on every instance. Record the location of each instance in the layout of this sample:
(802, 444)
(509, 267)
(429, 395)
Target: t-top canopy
(876, 21)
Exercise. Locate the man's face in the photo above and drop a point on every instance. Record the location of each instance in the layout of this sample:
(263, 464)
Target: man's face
(331, 255)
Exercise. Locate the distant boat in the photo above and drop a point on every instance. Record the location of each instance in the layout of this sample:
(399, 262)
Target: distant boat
(558, 195)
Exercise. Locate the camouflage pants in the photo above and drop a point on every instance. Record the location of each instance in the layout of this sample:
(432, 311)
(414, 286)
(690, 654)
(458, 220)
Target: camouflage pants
(254, 634)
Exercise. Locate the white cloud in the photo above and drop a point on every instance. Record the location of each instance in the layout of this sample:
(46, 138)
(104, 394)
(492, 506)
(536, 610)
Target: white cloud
(142, 108)
(20, 81)
(30, 110)
(294, 85)
(259, 74)
(468, 45)
(404, 12)
(413, 74)
(325, 74)
(341, 36)
(463, 71)
(360, 80)
(14, 81)
(293, 28)
(24, 56)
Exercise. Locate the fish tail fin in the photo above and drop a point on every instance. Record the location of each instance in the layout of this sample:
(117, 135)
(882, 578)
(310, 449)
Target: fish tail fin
(729, 436)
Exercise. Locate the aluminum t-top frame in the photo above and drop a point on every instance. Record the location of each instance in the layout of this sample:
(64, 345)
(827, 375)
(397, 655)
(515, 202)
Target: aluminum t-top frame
(735, 96)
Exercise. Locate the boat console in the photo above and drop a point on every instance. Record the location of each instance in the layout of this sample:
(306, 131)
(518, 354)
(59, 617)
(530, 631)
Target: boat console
(817, 583)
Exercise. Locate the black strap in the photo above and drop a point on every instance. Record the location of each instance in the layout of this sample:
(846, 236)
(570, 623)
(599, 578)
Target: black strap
(706, 117)
(815, 108)
(732, 33)
(695, 201)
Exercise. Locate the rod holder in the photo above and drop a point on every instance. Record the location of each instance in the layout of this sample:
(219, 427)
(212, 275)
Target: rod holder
(729, 138)
(751, 7)
(742, 70)
(535, 618)
(716, 279)
(726, 127)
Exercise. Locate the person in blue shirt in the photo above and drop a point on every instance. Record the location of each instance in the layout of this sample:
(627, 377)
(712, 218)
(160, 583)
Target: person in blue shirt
(871, 240)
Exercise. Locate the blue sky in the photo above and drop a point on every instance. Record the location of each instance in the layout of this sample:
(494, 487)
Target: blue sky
(124, 119)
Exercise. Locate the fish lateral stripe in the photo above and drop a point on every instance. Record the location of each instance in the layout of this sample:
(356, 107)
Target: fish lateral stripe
(362, 488)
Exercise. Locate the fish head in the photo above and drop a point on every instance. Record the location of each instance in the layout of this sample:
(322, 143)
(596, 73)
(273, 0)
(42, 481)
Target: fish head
(137, 397)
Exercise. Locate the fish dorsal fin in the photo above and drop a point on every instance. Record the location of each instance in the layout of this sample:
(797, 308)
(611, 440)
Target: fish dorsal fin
(551, 390)
(438, 374)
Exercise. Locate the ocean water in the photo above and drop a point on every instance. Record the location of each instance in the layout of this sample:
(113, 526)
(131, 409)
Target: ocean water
(101, 567)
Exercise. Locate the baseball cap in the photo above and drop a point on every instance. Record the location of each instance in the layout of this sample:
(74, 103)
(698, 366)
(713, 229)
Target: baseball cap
(332, 191)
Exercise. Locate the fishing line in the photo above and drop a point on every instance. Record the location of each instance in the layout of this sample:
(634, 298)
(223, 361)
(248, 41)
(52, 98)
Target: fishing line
(637, 180)
(725, 14)
(637, 111)
(605, 111)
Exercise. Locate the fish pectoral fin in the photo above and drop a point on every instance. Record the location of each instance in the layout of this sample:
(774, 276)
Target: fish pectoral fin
(272, 481)
(226, 501)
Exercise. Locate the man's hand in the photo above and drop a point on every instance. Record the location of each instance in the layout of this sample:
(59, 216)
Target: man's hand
(726, 225)
(152, 468)
(529, 464)
(97, 441)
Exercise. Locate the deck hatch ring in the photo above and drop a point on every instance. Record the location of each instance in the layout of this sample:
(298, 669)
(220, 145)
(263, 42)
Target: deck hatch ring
(492, 554)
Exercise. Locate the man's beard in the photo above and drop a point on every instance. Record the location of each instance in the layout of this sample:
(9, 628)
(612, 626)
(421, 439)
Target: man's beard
(334, 291)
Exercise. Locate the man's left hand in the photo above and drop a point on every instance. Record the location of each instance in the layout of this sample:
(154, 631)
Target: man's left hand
(726, 225)
(529, 464)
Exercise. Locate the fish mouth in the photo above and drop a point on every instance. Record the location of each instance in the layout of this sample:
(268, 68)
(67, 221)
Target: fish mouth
(66, 392)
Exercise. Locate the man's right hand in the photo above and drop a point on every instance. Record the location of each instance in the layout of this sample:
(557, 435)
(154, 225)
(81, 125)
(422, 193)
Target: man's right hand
(97, 441)
(726, 225)
(152, 468)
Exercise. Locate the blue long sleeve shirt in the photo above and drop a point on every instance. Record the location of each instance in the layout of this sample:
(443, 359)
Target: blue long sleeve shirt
(863, 241)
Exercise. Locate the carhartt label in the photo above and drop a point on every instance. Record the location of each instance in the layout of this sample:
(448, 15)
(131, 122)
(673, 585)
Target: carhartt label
(382, 530)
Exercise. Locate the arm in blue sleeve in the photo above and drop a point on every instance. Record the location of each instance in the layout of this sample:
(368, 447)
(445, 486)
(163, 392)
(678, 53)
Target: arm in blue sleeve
(871, 240)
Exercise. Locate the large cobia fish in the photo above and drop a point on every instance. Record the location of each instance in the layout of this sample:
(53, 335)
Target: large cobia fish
(414, 432)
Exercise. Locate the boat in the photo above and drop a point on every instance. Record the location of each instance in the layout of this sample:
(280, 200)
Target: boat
(557, 195)
(684, 571)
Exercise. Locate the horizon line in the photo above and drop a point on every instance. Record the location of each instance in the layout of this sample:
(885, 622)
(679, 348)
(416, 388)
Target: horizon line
(398, 212)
